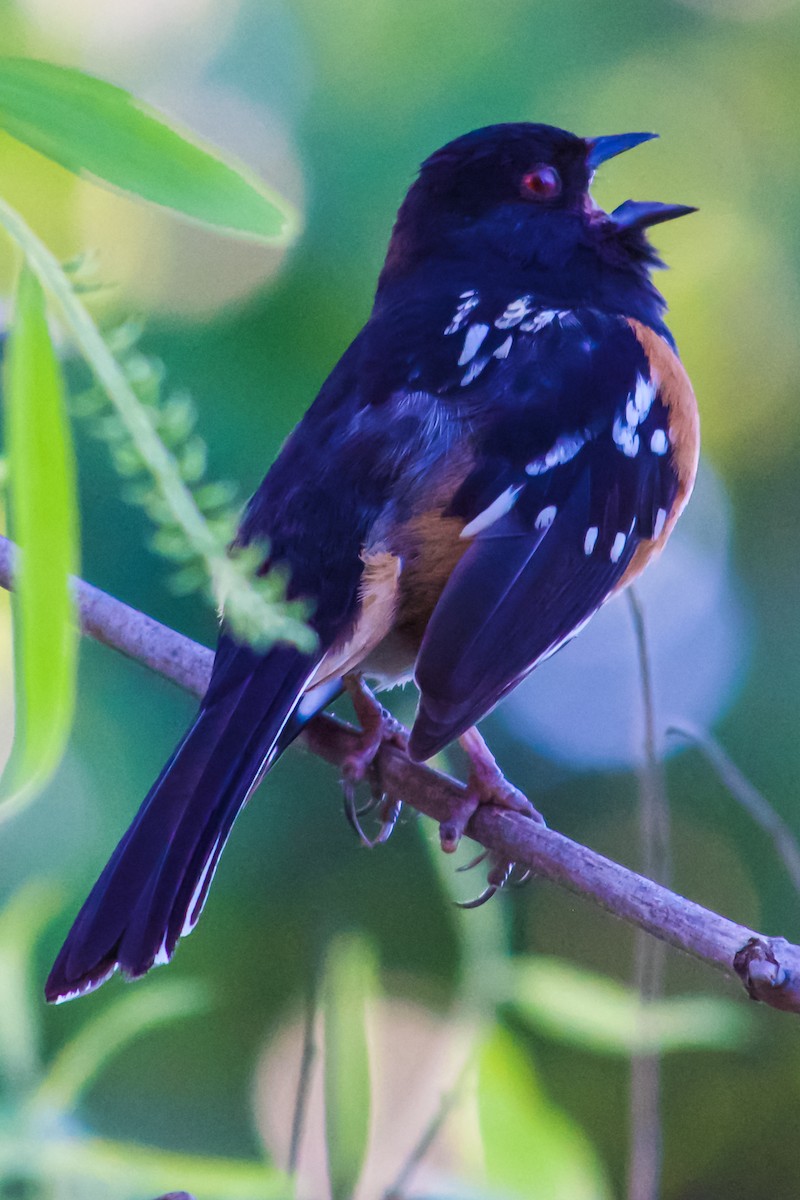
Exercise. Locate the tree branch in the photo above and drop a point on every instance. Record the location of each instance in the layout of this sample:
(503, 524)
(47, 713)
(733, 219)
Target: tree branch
(768, 967)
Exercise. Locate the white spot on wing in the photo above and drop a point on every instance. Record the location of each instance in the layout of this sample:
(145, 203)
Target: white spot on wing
(497, 509)
(469, 300)
(658, 442)
(643, 396)
(504, 348)
(562, 451)
(590, 541)
(474, 370)
(473, 342)
(516, 311)
(618, 546)
(625, 437)
(541, 319)
(546, 517)
(637, 406)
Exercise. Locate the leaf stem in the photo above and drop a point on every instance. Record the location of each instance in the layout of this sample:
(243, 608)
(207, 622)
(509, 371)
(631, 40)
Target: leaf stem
(644, 1168)
(227, 577)
(751, 800)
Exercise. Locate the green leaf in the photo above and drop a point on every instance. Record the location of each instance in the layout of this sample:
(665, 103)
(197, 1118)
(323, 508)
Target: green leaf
(255, 607)
(597, 1013)
(532, 1149)
(143, 1172)
(82, 1059)
(94, 128)
(349, 982)
(21, 923)
(44, 523)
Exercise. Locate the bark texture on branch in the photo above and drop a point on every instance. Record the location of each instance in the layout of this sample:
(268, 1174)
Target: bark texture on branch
(768, 967)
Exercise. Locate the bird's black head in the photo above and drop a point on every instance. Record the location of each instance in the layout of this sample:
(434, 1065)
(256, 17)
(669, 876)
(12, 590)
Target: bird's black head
(513, 201)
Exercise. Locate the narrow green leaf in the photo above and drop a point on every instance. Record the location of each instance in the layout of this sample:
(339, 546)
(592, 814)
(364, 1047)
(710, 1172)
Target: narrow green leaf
(143, 1172)
(348, 984)
(44, 523)
(94, 128)
(532, 1149)
(597, 1013)
(21, 922)
(82, 1059)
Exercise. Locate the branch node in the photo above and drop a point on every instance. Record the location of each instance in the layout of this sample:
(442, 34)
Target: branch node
(763, 975)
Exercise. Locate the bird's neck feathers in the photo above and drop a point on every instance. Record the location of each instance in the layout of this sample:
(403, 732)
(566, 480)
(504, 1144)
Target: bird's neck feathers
(562, 262)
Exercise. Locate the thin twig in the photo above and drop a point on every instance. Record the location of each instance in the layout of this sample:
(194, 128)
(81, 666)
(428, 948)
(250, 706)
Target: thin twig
(644, 1168)
(769, 967)
(655, 833)
(750, 799)
(448, 1102)
(304, 1078)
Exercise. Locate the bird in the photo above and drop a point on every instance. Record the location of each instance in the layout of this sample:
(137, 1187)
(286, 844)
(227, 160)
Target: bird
(507, 442)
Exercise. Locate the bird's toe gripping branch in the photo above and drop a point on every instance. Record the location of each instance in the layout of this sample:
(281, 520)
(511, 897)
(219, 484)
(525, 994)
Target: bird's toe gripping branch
(378, 728)
(486, 785)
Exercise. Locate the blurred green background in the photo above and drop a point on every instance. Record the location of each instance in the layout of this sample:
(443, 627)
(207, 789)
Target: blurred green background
(335, 103)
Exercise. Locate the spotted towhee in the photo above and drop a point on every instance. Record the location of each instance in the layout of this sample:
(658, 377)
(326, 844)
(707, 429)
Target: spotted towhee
(507, 443)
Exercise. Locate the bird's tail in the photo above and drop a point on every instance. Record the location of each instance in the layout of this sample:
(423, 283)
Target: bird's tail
(153, 889)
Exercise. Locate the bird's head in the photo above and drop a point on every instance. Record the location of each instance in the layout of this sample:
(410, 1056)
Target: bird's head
(515, 199)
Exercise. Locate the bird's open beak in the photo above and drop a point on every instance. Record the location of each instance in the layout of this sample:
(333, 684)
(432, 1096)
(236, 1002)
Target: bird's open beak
(633, 214)
(601, 149)
(639, 214)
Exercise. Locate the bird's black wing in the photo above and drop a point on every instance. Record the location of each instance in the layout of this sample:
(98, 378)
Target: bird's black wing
(313, 513)
(572, 473)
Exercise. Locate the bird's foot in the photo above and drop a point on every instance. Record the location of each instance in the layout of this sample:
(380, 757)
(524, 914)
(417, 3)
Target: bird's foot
(486, 785)
(378, 728)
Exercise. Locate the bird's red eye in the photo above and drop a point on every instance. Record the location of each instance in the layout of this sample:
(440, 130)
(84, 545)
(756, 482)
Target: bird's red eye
(541, 183)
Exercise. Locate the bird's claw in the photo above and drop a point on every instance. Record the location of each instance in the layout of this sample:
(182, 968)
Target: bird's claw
(389, 813)
(499, 875)
(378, 728)
(353, 813)
(486, 785)
(474, 862)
